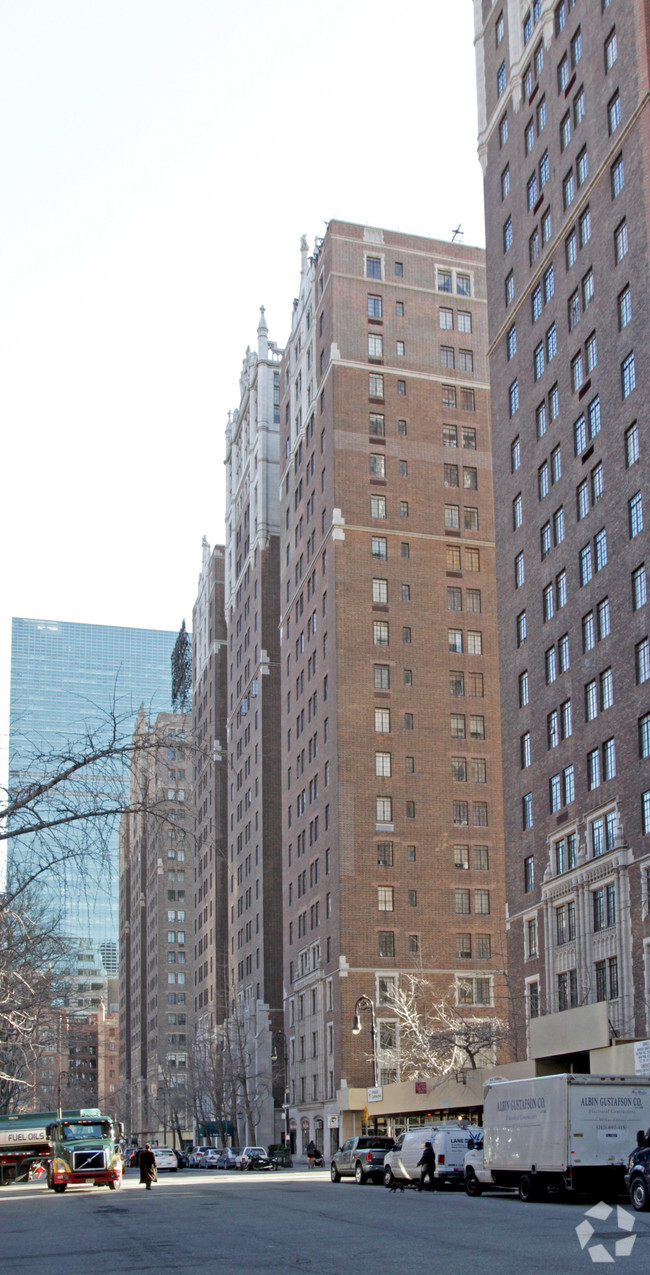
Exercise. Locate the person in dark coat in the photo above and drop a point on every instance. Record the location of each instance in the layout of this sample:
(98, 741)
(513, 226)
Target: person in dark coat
(312, 1152)
(147, 1162)
(426, 1165)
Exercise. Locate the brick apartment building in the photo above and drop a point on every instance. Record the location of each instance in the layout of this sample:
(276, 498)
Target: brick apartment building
(391, 776)
(564, 134)
(156, 1014)
(209, 659)
(253, 724)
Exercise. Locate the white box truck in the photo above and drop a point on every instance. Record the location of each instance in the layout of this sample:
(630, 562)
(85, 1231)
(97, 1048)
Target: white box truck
(573, 1132)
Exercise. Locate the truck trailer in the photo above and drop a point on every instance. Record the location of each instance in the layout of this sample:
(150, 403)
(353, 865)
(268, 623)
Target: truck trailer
(74, 1146)
(572, 1132)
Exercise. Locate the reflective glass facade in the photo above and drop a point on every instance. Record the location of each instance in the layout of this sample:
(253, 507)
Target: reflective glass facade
(65, 677)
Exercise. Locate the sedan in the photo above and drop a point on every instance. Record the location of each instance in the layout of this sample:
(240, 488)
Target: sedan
(228, 1158)
(210, 1160)
(165, 1159)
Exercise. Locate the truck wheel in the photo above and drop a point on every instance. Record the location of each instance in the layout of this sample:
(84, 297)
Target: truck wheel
(334, 1173)
(359, 1175)
(59, 1187)
(639, 1195)
(527, 1188)
(472, 1184)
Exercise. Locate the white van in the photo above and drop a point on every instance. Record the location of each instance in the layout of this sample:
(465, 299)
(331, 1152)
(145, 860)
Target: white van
(449, 1141)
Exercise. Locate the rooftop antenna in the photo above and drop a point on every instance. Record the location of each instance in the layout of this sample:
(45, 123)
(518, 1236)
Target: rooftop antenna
(457, 234)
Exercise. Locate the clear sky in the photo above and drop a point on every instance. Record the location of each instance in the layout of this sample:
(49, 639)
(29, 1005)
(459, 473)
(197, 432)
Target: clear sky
(159, 161)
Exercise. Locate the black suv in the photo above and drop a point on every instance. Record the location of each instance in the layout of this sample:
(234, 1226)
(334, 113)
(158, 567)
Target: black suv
(637, 1178)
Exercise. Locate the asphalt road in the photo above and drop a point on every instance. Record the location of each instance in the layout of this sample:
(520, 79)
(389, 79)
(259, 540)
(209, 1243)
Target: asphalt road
(297, 1221)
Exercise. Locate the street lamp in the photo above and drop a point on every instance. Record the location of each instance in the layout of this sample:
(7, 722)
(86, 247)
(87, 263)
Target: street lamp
(285, 1105)
(63, 1075)
(365, 1002)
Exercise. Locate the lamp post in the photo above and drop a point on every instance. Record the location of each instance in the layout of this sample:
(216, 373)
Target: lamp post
(285, 1106)
(63, 1075)
(366, 1002)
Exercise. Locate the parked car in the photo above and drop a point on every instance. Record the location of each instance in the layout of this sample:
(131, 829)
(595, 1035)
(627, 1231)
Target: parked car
(637, 1178)
(181, 1158)
(228, 1158)
(361, 1158)
(165, 1159)
(195, 1156)
(210, 1159)
(245, 1155)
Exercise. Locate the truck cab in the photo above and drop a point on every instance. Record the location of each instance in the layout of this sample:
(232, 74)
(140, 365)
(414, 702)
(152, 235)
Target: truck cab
(84, 1151)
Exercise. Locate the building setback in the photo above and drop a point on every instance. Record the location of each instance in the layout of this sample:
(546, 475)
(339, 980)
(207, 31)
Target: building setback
(563, 140)
(156, 1015)
(391, 778)
(254, 823)
(209, 669)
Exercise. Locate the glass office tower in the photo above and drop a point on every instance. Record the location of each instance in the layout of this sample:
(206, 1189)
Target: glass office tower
(65, 679)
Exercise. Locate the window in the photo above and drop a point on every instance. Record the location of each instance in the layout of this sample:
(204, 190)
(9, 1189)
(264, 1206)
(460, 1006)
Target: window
(555, 793)
(377, 425)
(583, 166)
(600, 543)
(449, 436)
(521, 628)
(569, 189)
(523, 688)
(614, 113)
(507, 235)
(639, 588)
(517, 511)
(538, 361)
(380, 591)
(464, 321)
(603, 619)
(384, 811)
(375, 346)
(452, 517)
(386, 943)
(563, 73)
(543, 481)
(611, 51)
(574, 309)
(379, 548)
(401, 349)
(503, 130)
(505, 182)
(593, 769)
(444, 280)
(628, 375)
(373, 267)
(644, 736)
(620, 242)
(455, 641)
(459, 769)
(499, 29)
(536, 303)
(624, 308)
(462, 902)
(532, 190)
(378, 506)
(544, 170)
(380, 633)
(374, 307)
(515, 454)
(385, 898)
(524, 748)
(635, 514)
(470, 518)
(463, 285)
(510, 288)
(527, 811)
(449, 396)
(571, 249)
(588, 289)
(377, 466)
(481, 902)
(457, 725)
(470, 478)
(545, 540)
(511, 342)
(461, 857)
(533, 247)
(383, 765)
(529, 874)
(558, 526)
(577, 372)
(618, 177)
(547, 228)
(565, 131)
(375, 386)
(609, 759)
(446, 318)
(474, 643)
(547, 603)
(642, 661)
(501, 80)
(447, 356)
(381, 677)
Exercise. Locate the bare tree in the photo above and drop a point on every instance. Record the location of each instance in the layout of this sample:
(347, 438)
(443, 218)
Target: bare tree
(32, 957)
(435, 1035)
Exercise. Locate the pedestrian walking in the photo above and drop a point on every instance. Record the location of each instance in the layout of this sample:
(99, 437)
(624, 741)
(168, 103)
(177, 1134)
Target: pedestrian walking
(427, 1166)
(312, 1152)
(147, 1163)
